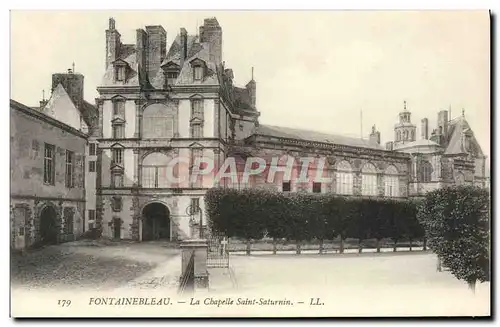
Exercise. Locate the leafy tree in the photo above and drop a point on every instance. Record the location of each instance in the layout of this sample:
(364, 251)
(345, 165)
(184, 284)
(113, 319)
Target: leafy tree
(456, 224)
(275, 219)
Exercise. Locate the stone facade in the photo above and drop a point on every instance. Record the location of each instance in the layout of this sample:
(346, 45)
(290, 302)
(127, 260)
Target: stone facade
(31, 192)
(157, 105)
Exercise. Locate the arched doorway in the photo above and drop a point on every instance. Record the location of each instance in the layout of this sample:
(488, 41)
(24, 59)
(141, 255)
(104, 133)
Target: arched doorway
(49, 230)
(155, 222)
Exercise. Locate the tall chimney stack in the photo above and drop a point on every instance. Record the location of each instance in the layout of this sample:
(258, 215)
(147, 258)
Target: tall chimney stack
(183, 40)
(156, 49)
(112, 43)
(425, 129)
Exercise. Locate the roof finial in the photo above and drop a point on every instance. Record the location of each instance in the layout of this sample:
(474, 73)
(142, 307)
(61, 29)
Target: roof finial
(43, 95)
(252, 73)
(405, 105)
(463, 112)
(73, 65)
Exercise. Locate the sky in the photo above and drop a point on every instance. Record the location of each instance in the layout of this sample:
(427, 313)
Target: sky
(314, 70)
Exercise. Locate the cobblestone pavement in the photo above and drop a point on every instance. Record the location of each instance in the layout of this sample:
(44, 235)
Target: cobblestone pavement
(98, 265)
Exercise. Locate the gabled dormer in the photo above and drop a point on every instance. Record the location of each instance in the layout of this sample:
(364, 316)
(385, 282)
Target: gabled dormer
(199, 68)
(121, 70)
(171, 71)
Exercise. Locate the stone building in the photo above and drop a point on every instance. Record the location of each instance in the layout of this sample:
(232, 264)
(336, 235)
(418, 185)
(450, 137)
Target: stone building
(47, 178)
(53, 167)
(76, 166)
(449, 155)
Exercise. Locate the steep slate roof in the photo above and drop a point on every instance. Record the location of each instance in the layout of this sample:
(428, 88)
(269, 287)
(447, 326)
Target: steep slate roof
(307, 135)
(129, 55)
(61, 98)
(195, 50)
(454, 141)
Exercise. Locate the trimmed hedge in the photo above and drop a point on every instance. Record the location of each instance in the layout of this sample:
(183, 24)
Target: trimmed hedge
(456, 222)
(255, 213)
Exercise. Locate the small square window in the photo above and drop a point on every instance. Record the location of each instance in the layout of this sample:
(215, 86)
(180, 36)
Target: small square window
(316, 187)
(287, 187)
(21, 231)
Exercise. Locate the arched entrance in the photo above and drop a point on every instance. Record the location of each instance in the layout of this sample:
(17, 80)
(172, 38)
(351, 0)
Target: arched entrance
(49, 231)
(155, 222)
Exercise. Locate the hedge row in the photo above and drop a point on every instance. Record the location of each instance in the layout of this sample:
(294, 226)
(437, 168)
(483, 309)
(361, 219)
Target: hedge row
(457, 225)
(255, 213)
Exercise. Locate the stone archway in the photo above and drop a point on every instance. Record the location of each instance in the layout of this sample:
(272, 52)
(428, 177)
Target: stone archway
(155, 223)
(49, 229)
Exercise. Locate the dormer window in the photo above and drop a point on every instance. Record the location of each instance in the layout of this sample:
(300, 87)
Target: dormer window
(120, 70)
(171, 77)
(199, 69)
(171, 72)
(198, 73)
(120, 73)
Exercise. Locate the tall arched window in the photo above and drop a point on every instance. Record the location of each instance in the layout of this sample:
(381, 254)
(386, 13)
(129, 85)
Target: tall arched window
(399, 136)
(391, 181)
(369, 179)
(425, 172)
(460, 178)
(157, 122)
(154, 171)
(343, 178)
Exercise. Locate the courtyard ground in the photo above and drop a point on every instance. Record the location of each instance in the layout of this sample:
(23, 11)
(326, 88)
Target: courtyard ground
(380, 284)
(97, 265)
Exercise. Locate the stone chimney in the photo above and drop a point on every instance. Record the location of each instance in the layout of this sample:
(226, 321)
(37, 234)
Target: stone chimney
(389, 145)
(72, 83)
(252, 91)
(156, 49)
(183, 44)
(425, 129)
(112, 43)
(375, 135)
(141, 46)
(443, 122)
(211, 32)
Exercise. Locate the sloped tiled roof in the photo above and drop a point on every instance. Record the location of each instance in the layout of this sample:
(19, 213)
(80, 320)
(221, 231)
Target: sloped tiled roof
(454, 140)
(308, 135)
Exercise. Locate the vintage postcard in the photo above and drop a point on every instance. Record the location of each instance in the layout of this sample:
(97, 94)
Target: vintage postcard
(250, 163)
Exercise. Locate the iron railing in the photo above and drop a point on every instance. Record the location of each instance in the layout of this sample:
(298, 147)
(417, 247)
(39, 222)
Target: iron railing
(187, 278)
